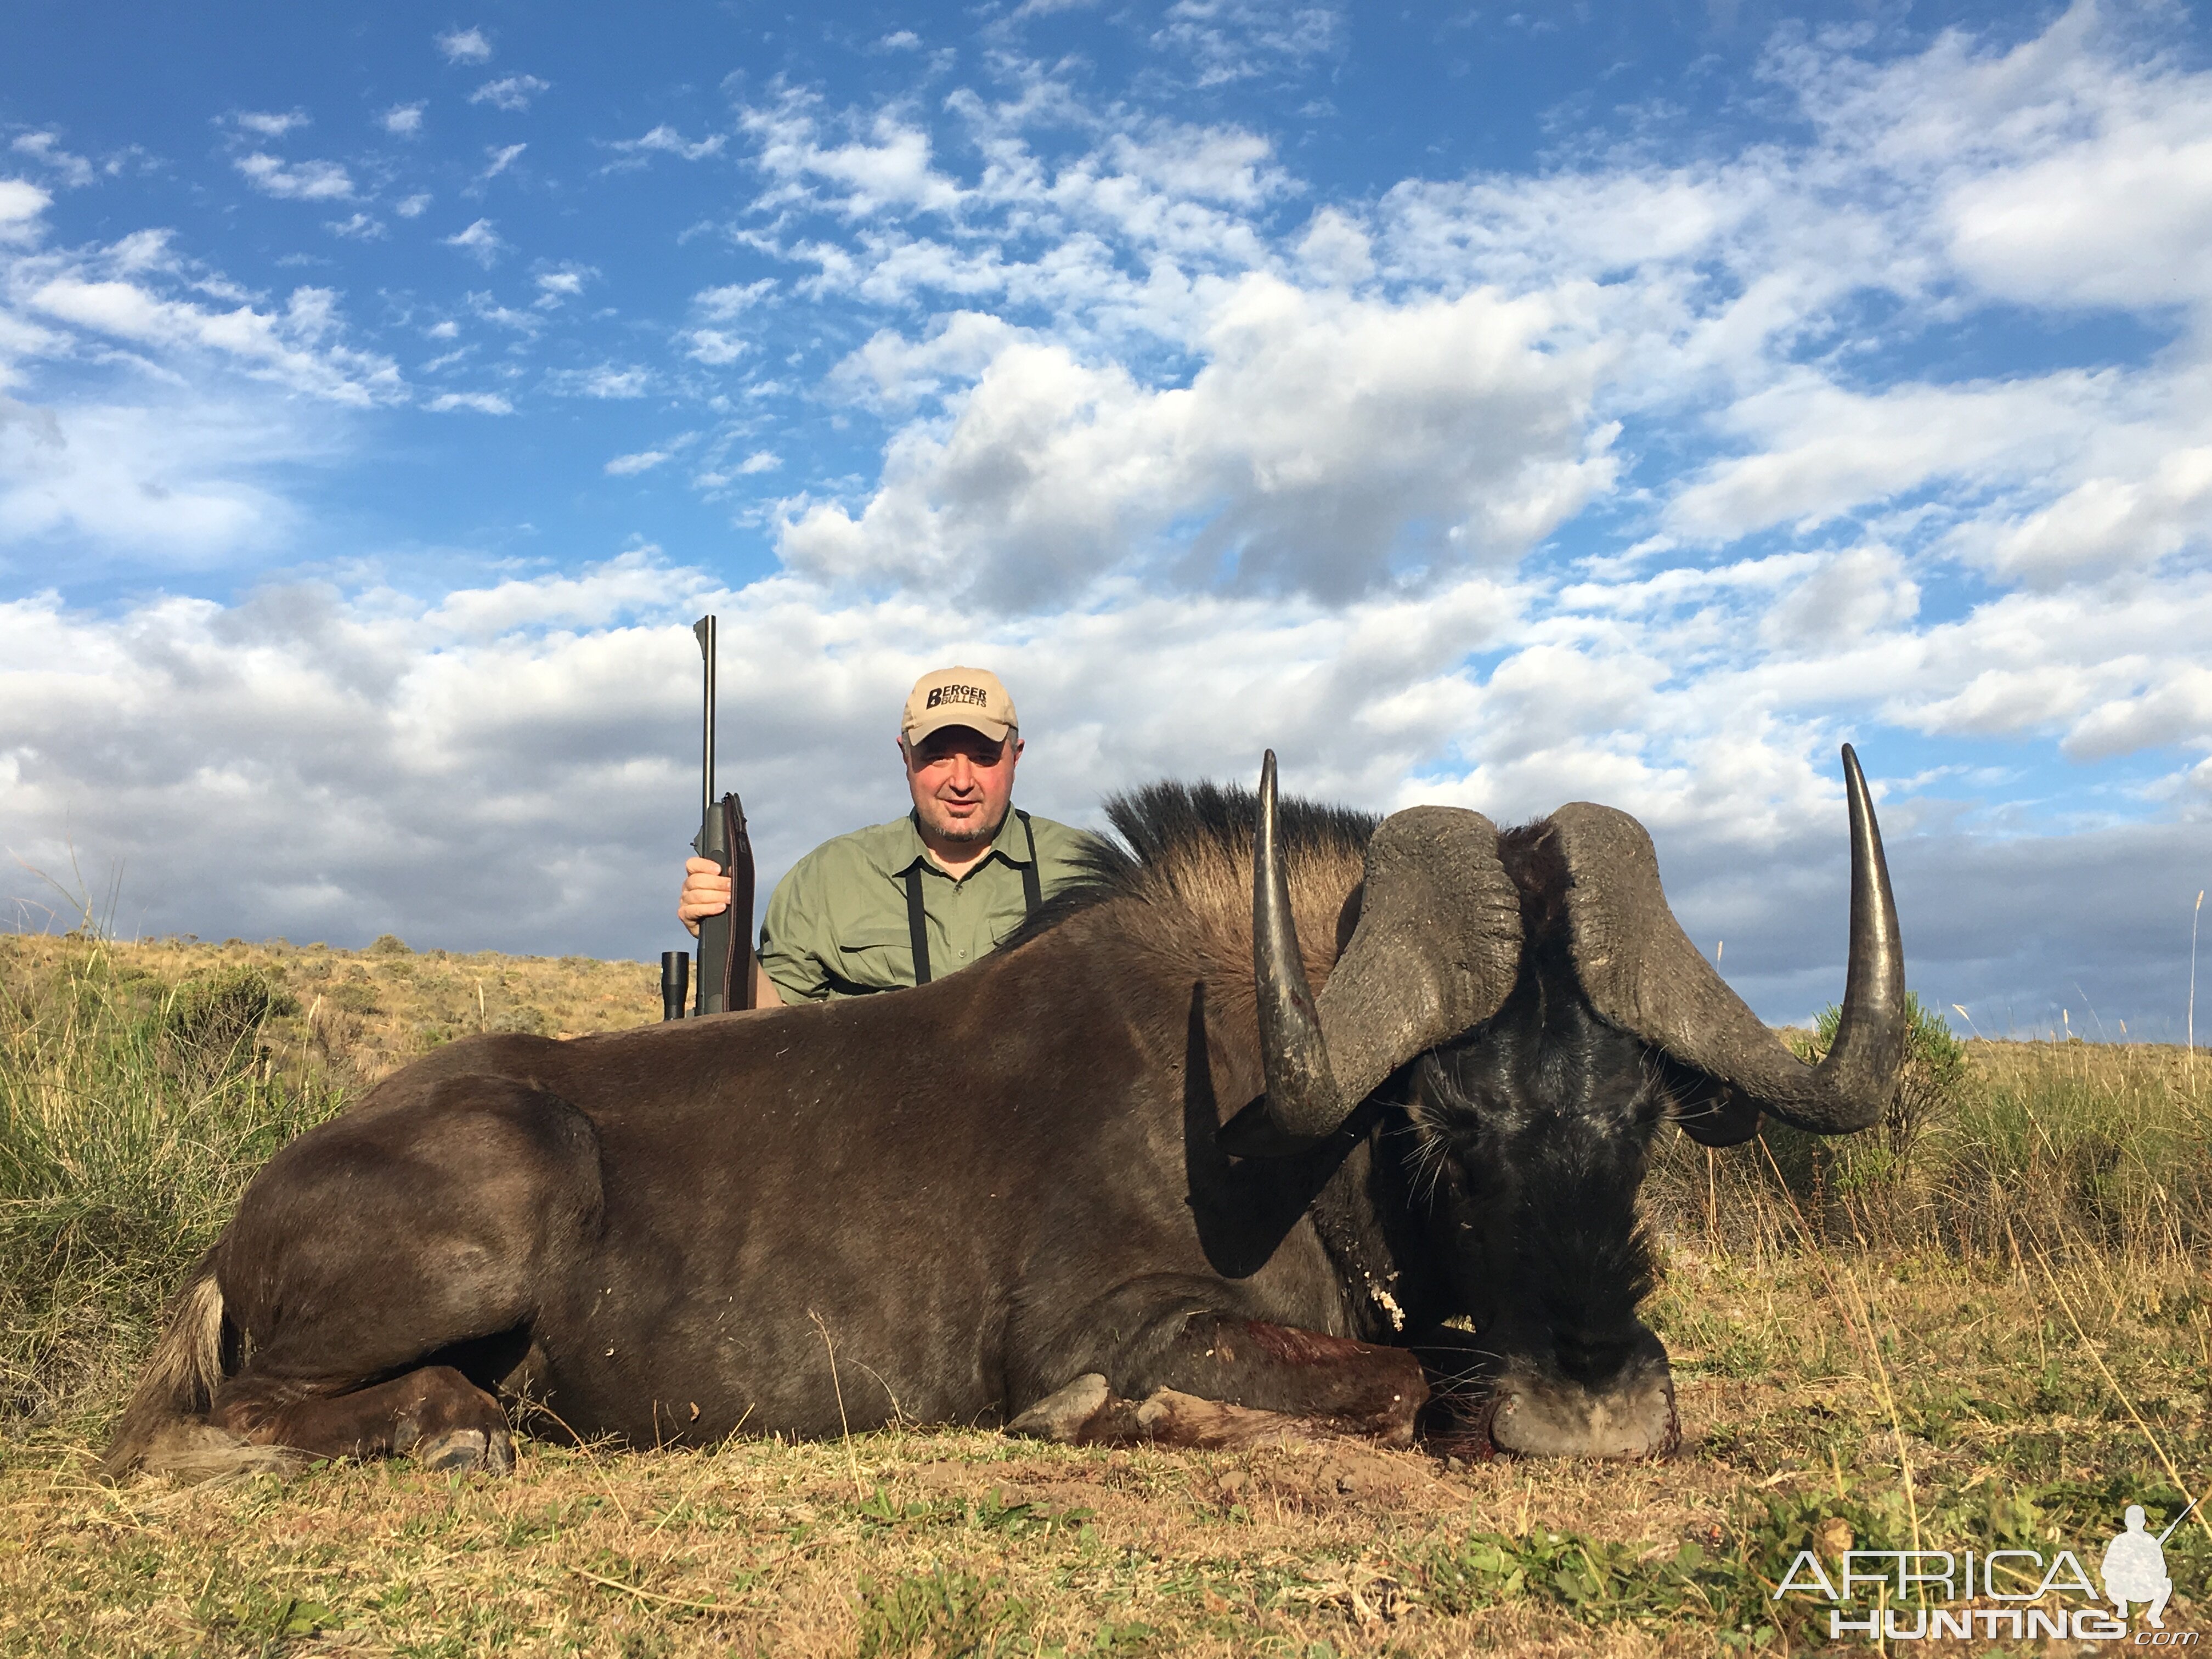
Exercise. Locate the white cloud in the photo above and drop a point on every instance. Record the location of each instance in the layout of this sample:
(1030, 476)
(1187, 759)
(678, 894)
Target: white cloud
(1821, 449)
(666, 140)
(893, 373)
(1336, 250)
(268, 126)
(76, 171)
(894, 170)
(1228, 41)
(20, 203)
(500, 159)
(298, 347)
(720, 305)
(1859, 592)
(174, 484)
(303, 181)
(403, 120)
(2106, 524)
(714, 347)
(557, 287)
(2175, 710)
(483, 403)
(625, 466)
(411, 207)
(900, 40)
(357, 227)
(526, 323)
(510, 92)
(759, 461)
(605, 382)
(464, 46)
(1199, 164)
(480, 241)
(1326, 444)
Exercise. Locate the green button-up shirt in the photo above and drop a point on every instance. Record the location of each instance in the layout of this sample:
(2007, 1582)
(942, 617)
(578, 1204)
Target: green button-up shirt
(837, 925)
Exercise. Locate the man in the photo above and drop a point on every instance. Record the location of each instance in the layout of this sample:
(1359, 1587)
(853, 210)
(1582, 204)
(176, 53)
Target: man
(925, 894)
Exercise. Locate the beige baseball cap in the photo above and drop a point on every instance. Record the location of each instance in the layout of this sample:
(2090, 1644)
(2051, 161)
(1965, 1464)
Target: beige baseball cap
(958, 696)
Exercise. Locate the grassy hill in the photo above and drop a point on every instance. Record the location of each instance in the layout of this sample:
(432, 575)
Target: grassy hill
(1986, 1324)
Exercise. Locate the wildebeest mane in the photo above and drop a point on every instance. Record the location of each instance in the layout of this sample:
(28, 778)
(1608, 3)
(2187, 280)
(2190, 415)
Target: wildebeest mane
(1190, 844)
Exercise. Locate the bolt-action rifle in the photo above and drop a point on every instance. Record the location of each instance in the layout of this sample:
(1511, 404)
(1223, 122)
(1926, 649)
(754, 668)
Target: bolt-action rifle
(726, 956)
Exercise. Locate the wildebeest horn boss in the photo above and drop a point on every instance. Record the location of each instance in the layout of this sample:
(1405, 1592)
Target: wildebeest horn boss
(1010, 1196)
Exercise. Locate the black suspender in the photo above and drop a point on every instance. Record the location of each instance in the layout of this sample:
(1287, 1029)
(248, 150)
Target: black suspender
(917, 919)
(917, 924)
(1032, 889)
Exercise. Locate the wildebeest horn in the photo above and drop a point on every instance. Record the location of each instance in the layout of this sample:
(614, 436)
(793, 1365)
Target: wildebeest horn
(1642, 974)
(1434, 954)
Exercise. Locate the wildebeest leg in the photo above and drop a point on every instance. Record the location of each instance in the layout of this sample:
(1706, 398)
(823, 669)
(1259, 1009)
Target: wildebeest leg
(1208, 1379)
(435, 1412)
(373, 1256)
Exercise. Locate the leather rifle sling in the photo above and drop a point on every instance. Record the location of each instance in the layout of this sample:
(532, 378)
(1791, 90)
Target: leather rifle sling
(738, 964)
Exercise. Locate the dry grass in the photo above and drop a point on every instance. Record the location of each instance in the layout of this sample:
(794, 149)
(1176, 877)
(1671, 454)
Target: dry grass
(1838, 1358)
(956, 1542)
(363, 1012)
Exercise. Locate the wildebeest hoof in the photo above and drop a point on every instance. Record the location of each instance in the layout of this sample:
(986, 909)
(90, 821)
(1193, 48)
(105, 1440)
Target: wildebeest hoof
(460, 1451)
(1070, 1414)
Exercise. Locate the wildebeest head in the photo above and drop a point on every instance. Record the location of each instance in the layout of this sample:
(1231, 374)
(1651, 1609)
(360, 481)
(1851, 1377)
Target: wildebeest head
(1549, 1013)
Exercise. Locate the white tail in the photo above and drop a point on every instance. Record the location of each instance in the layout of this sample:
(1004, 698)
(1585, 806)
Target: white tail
(180, 1378)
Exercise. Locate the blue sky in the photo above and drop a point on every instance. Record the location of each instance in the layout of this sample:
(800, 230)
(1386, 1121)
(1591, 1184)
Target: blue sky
(1490, 406)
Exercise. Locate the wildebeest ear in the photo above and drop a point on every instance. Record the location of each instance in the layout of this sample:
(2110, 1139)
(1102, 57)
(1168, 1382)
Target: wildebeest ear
(1716, 1117)
(1347, 917)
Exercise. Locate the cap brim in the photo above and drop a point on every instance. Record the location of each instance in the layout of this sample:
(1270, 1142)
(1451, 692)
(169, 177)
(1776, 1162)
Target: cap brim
(938, 722)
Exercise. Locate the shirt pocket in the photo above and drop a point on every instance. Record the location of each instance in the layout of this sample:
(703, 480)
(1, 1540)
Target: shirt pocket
(877, 958)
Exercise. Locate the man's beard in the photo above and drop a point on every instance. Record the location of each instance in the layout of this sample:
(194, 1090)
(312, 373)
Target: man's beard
(970, 833)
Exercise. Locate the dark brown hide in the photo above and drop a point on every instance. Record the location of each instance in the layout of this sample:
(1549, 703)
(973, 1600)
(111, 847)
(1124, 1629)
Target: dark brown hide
(961, 1196)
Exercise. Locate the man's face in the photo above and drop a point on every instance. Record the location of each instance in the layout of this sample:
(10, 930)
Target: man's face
(962, 781)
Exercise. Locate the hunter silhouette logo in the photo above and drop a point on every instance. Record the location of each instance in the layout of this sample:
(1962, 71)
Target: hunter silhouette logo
(2133, 1570)
(2134, 1567)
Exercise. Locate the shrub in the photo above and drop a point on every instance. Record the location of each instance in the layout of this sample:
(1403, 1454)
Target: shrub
(208, 1022)
(1857, 1182)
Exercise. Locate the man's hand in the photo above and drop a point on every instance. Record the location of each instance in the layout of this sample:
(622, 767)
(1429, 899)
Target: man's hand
(706, 893)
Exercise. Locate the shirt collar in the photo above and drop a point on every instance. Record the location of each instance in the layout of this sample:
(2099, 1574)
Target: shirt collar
(1011, 843)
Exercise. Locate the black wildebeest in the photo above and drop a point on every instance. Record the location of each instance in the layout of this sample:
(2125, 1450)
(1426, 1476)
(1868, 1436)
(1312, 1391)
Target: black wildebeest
(1009, 1196)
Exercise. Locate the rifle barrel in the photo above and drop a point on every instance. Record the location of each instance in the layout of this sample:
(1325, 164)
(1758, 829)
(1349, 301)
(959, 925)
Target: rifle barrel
(2178, 1520)
(703, 631)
